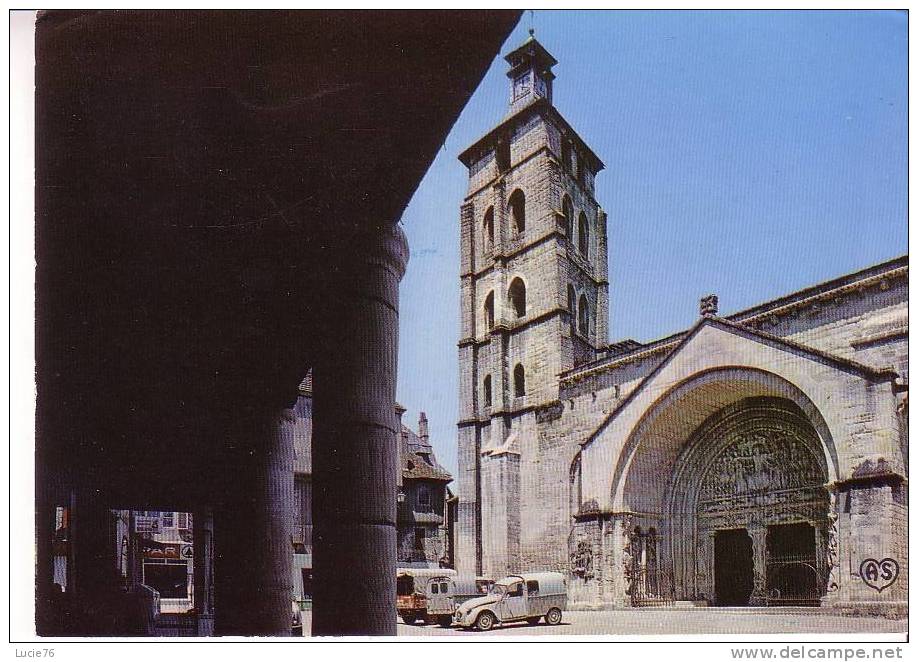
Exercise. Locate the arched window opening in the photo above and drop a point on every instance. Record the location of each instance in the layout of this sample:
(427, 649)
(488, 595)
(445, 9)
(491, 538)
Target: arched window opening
(489, 227)
(576, 486)
(583, 235)
(487, 391)
(517, 206)
(584, 315)
(517, 295)
(502, 155)
(567, 208)
(489, 310)
(519, 381)
(571, 305)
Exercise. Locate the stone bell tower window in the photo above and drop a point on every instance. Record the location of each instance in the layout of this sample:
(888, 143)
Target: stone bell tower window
(487, 391)
(519, 381)
(583, 238)
(584, 318)
(489, 310)
(489, 228)
(517, 295)
(518, 211)
(567, 208)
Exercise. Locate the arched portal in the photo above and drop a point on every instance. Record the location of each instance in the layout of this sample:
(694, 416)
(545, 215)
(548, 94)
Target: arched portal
(732, 467)
(747, 499)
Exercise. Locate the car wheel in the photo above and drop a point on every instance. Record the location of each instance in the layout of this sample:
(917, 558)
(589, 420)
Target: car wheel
(553, 617)
(409, 619)
(444, 621)
(485, 621)
(533, 620)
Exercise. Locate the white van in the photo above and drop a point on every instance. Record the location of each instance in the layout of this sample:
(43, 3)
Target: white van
(525, 597)
(444, 594)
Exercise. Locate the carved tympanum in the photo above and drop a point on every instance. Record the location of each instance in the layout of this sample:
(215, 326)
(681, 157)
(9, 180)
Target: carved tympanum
(761, 461)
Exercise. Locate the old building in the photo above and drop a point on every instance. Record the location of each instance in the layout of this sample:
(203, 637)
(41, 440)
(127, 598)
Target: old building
(753, 459)
(422, 496)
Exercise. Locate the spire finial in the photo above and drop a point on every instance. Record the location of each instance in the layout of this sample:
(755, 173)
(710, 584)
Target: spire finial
(532, 23)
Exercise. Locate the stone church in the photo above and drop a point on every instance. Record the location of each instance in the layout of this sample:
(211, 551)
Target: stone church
(758, 458)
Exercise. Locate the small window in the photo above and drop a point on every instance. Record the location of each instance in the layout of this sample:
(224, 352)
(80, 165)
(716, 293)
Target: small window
(571, 305)
(419, 535)
(566, 154)
(489, 228)
(581, 171)
(515, 590)
(583, 239)
(517, 296)
(444, 587)
(489, 310)
(517, 206)
(532, 587)
(168, 520)
(502, 155)
(519, 381)
(487, 390)
(567, 208)
(423, 495)
(584, 315)
(434, 588)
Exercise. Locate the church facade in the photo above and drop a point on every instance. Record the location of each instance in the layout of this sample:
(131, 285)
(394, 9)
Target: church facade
(754, 459)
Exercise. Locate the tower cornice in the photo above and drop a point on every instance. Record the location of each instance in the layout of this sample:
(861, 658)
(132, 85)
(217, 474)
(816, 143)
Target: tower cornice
(540, 107)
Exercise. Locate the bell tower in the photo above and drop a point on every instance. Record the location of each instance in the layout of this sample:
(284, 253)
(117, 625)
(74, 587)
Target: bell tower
(534, 297)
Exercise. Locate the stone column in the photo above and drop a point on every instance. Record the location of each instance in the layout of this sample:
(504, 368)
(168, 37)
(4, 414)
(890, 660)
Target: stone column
(47, 599)
(93, 587)
(759, 595)
(355, 457)
(252, 552)
(203, 538)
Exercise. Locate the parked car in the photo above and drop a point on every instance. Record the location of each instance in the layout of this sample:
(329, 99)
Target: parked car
(411, 592)
(445, 593)
(525, 597)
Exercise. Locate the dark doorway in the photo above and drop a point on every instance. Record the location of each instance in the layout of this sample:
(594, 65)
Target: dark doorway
(733, 567)
(791, 565)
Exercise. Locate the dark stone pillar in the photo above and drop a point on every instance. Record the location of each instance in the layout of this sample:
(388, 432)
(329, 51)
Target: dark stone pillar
(95, 595)
(47, 599)
(203, 539)
(252, 548)
(355, 456)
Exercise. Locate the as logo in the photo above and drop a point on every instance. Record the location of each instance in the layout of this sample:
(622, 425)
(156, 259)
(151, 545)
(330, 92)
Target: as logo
(879, 574)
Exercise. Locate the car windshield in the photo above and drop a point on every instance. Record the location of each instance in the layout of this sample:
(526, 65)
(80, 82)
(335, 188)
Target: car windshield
(498, 589)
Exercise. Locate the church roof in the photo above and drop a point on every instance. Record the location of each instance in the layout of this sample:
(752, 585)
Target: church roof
(748, 319)
(870, 373)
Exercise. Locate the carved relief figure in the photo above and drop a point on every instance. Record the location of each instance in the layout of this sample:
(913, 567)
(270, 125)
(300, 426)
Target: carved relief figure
(831, 544)
(582, 559)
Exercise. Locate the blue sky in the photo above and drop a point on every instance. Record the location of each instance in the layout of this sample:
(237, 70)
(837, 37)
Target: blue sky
(748, 154)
